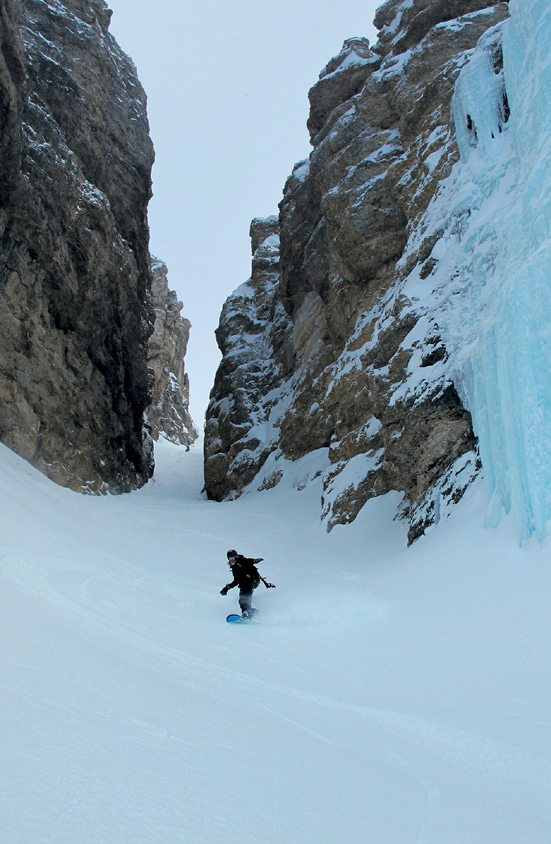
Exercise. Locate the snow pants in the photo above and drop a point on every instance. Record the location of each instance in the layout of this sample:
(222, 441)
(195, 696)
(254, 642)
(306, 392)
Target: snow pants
(245, 600)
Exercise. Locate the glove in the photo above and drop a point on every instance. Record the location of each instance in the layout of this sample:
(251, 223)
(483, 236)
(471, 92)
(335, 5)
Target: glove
(258, 559)
(224, 591)
(269, 585)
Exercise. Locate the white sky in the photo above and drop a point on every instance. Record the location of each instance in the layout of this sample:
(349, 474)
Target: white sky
(227, 84)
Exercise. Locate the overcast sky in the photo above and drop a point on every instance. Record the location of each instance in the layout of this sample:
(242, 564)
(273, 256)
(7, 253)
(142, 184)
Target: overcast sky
(227, 85)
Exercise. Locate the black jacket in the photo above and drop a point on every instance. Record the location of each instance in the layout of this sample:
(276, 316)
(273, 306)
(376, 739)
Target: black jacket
(245, 574)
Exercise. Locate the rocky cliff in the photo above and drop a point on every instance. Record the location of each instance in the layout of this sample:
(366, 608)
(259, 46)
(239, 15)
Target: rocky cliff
(168, 413)
(75, 278)
(324, 349)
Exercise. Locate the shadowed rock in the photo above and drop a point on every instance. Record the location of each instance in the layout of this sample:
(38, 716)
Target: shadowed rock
(168, 413)
(75, 312)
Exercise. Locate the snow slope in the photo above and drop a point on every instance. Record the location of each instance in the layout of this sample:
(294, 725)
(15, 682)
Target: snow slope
(385, 696)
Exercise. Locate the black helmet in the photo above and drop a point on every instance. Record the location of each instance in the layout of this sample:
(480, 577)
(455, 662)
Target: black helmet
(231, 554)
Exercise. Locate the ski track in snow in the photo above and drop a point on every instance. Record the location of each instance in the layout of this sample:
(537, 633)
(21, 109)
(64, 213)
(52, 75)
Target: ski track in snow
(385, 694)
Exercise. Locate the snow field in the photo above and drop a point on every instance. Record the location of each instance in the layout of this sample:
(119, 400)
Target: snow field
(385, 695)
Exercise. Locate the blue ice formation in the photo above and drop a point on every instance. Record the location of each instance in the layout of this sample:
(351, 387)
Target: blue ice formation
(493, 282)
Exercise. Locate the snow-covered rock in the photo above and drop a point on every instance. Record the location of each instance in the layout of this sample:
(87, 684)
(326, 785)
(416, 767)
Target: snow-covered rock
(250, 388)
(352, 363)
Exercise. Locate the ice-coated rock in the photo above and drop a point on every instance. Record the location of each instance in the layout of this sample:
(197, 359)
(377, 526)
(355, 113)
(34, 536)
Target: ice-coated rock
(350, 363)
(488, 287)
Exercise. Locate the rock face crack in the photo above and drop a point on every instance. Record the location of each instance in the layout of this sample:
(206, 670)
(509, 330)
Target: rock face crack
(321, 348)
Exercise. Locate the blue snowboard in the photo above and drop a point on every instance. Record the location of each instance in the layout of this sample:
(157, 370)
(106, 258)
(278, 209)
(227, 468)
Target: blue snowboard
(233, 618)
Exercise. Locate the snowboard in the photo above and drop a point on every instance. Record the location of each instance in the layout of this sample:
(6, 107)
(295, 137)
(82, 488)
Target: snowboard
(233, 618)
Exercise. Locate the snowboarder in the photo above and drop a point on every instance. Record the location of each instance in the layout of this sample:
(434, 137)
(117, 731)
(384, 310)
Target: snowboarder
(246, 576)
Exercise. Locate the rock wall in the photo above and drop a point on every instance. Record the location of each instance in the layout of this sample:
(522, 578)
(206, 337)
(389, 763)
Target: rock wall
(238, 435)
(168, 413)
(75, 310)
(322, 349)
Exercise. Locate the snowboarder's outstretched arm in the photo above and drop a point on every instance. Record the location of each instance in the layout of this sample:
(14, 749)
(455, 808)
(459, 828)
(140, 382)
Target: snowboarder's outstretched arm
(263, 579)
